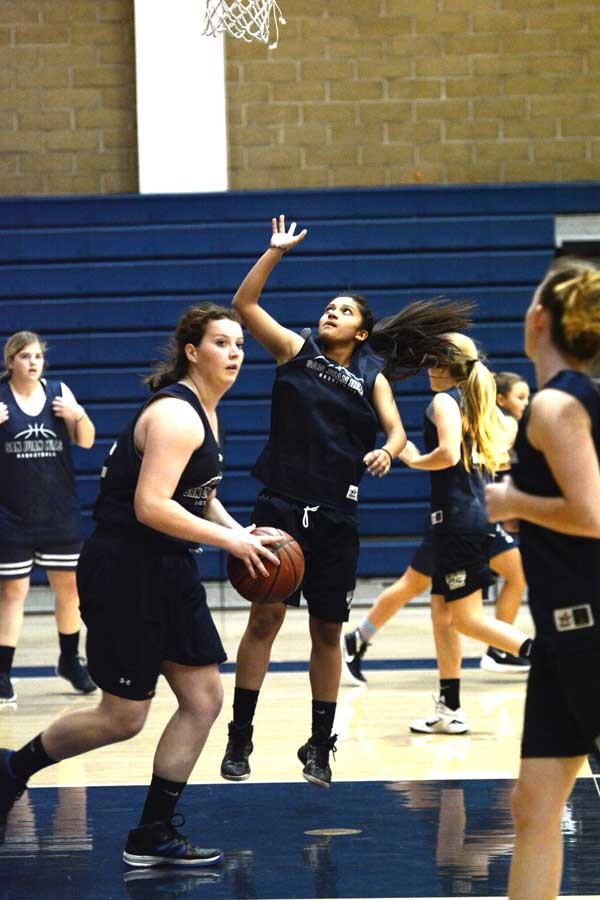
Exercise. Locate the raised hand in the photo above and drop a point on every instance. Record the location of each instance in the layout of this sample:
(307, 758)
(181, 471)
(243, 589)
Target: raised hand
(284, 240)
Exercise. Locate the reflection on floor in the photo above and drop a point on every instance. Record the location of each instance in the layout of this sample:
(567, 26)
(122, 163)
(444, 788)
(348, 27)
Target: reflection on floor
(361, 839)
(408, 815)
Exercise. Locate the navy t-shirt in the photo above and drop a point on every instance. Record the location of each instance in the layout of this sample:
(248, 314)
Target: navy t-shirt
(457, 495)
(322, 425)
(561, 570)
(38, 498)
(121, 469)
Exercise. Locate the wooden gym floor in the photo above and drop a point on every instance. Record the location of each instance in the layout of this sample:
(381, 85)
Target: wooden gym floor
(407, 815)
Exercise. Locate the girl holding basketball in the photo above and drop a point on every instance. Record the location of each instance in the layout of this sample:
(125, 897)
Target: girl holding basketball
(555, 493)
(331, 395)
(141, 596)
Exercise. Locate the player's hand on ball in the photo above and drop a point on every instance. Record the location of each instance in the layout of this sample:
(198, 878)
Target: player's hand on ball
(253, 548)
(284, 240)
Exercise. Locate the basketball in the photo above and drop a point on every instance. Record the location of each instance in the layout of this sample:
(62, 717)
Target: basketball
(281, 581)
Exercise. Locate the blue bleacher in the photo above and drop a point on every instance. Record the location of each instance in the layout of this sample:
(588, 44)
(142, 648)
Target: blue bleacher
(104, 279)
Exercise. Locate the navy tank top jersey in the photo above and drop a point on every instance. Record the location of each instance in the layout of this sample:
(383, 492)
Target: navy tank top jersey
(121, 469)
(562, 571)
(457, 495)
(322, 424)
(38, 498)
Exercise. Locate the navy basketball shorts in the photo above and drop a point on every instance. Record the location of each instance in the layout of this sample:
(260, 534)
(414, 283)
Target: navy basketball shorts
(562, 714)
(18, 560)
(502, 541)
(329, 541)
(461, 564)
(143, 603)
(422, 559)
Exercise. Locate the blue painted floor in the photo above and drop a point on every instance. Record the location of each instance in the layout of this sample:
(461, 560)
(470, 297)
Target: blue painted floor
(360, 839)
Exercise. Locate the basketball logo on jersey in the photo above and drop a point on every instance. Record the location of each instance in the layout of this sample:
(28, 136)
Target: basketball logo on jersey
(330, 371)
(35, 442)
(456, 580)
(201, 493)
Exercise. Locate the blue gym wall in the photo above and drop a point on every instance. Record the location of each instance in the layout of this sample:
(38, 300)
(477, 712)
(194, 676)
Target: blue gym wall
(104, 279)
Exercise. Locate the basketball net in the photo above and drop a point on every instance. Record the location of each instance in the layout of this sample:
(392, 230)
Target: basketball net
(244, 19)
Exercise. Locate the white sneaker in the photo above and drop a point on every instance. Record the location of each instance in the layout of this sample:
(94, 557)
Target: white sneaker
(443, 720)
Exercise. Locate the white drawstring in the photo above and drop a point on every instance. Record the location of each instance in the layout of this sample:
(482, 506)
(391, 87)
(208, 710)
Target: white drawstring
(307, 509)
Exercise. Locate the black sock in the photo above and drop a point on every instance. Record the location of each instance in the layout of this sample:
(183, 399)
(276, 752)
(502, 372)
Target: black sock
(525, 648)
(323, 714)
(6, 659)
(69, 643)
(30, 759)
(450, 692)
(161, 800)
(244, 706)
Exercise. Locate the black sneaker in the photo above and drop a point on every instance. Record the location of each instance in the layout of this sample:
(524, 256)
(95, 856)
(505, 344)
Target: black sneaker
(495, 660)
(235, 765)
(160, 844)
(7, 694)
(74, 669)
(166, 881)
(11, 788)
(353, 650)
(315, 759)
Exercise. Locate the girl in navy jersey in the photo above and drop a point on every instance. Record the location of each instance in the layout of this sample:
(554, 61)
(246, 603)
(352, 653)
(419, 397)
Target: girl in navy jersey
(465, 442)
(555, 493)
(141, 596)
(331, 395)
(512, 397)
(39, 509)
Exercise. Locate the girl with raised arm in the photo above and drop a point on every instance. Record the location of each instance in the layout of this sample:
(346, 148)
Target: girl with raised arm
(331, 394)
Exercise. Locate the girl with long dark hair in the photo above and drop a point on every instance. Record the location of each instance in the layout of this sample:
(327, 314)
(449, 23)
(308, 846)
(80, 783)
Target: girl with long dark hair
(331, 394)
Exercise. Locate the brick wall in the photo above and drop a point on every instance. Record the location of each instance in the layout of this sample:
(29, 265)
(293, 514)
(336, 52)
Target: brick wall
(384, 92)
(359, 92)
(67, 97)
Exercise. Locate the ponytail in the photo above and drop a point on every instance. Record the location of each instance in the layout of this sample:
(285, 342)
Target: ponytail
(418, 337)
(486, 437)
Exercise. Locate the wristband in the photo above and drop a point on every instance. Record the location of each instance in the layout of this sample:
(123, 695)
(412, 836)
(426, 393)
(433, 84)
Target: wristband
(388, 453)
(280, 249)
(82, 416)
